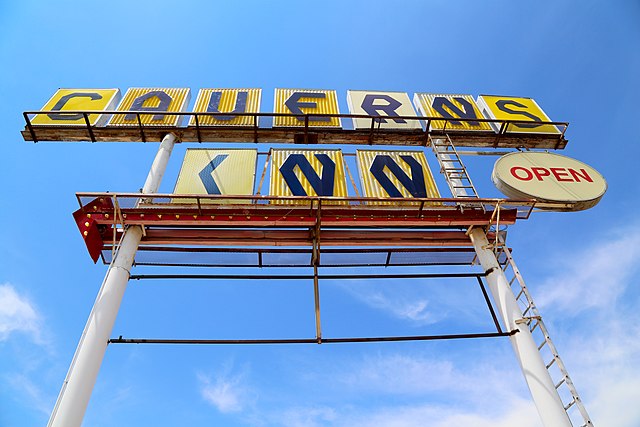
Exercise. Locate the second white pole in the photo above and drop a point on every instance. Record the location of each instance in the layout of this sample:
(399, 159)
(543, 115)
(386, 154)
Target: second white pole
(77, 387)
(545, 396)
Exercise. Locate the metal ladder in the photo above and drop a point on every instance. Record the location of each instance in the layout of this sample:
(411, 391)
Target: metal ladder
(452, 168)
(567, 391)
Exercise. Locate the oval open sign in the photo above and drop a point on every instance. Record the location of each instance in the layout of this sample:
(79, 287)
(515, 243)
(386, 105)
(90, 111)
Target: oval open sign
(549, 178)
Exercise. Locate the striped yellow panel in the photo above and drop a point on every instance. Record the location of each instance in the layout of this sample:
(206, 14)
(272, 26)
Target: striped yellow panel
(306, 101)
(385, 174)
(79, 100)
(217, 171)
(451, 106)
(226, 101)
(307, 173)
(516, 108)
(154, 100)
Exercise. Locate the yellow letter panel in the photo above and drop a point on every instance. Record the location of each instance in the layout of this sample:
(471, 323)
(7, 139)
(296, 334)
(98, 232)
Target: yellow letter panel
(451, 106)
(307, 173)
(514, 108)
(79, 100)
(404, 174)
(219, 171)
(306, 101)
(155, 101)
(226, 101)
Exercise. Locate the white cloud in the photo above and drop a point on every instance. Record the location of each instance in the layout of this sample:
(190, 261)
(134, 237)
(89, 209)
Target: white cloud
(18, 314)
(228, 393)
(596, 289)
(308, 417)
(33, 393)
(395, 300)
(513, 411)
(595, 276)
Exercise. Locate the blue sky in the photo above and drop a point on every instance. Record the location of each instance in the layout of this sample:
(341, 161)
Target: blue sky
(579, 59)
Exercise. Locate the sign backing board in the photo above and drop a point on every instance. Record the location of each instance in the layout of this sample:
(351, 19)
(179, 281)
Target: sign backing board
(79, 100)
(155, 101)
(306, 101)
(549, 177)
(226, 101)
(217, 171)
(450, 106)
(516, 108)
(387, 174)
(376, 103)
(307, 173)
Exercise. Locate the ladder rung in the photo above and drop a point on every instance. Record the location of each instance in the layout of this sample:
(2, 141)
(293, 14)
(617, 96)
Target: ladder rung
(535, 325)
(566, 408)
(542, 345)
(562, 382)
(551, 363)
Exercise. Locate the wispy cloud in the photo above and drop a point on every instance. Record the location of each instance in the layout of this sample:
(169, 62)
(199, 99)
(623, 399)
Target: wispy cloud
(32, 392)
(308, 417)
(227, 392)
(595, 276)
(18, 315)
(396, 301)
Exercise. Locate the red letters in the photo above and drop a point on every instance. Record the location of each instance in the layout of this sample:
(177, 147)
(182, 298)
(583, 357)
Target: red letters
(559, 174)
(528, 175)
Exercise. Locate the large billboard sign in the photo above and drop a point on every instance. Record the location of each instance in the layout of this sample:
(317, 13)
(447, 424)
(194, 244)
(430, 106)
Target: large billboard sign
(549, 177)
(232, 172)
(392, 110)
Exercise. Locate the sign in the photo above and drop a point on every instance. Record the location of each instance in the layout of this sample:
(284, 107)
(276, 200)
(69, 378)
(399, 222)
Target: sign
(306, 101)
(307, 173)
(153, 100)
(549, 178)
(391, 104)
(450, 107)
(226, 101)
(79, 100)
(395, 174)
(301, 102)
(514, 108)
(220, 172)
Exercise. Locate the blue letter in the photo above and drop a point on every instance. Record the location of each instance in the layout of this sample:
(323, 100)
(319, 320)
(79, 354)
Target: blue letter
(206, 177)
(468, 113)
(376, 110)
(414, 185)
(294, 105)
(62, 101)
(322, 186)
(138, 104)
(214, 105)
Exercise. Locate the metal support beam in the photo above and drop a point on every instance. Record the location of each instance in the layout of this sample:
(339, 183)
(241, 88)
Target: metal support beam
(77, 387)
(543, 391)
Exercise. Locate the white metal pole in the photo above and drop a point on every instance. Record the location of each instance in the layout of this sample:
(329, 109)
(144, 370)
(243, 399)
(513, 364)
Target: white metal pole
(77, 387)
(543, 391)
